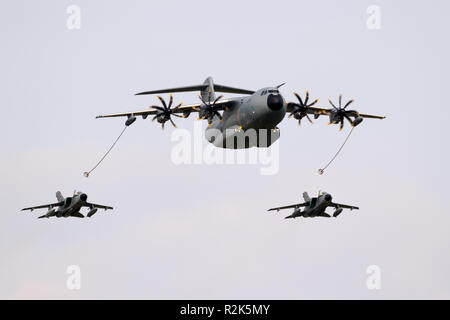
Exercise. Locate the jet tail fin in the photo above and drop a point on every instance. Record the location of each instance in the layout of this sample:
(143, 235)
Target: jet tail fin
(306, 196)
(59, 196)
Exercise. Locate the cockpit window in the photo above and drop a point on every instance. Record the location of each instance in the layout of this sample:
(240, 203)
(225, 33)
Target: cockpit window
(264, 92)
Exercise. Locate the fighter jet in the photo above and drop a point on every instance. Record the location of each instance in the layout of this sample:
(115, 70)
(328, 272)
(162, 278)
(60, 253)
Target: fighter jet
(70, 206)
(245, 121)
(315, 207)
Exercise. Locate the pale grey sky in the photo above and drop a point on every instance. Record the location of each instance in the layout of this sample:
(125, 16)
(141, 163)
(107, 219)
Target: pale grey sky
(202, 231)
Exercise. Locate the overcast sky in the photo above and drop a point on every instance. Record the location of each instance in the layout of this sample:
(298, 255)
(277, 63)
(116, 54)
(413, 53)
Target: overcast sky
(202, 231)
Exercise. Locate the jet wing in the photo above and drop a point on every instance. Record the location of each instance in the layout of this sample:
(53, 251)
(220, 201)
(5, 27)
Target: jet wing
(51, 205)
(93, 205)
(183, 109)
(325, 111)
(288, 207)
(338, 205)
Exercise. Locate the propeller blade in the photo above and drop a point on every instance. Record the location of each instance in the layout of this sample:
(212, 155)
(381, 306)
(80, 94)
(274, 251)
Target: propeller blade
(162, 125)
(309, 119)
(154, 118)
(163, 102)
(218, 114)
(157, 108)
(307, 97)
(171, 100)
(332, 104)
(311, 104)
(340, 100)
(173, 123)
(299, 99)
(342, 125)
(349, 120)
(217, 99)
(348, 103)
(201, 99)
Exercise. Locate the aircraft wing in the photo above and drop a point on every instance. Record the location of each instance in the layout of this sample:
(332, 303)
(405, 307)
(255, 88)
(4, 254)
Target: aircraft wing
(338, 205)
(183, 109)
(51, 205)
(288, 207)
(326, 111)
(93, 205)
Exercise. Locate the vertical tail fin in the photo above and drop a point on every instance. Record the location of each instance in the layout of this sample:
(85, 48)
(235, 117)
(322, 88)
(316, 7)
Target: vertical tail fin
(306, 196)
(208, 93)
(59, 196)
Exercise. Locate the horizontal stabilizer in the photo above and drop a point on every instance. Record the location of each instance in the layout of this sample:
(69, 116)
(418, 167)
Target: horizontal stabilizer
(200, 87)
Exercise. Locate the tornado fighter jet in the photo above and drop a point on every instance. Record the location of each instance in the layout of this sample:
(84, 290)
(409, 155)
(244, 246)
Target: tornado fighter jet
(253, 117)
(315, 207)
(70, 206)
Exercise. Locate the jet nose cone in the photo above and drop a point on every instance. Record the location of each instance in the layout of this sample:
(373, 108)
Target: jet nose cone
(83, 197)
(275, 102)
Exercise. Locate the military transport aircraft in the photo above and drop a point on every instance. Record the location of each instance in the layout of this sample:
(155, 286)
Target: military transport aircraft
(70, 206)
(260, 110)
(315, 207)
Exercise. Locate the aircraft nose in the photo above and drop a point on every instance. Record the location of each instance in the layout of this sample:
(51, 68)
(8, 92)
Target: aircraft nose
(274, 102)
(83, 197)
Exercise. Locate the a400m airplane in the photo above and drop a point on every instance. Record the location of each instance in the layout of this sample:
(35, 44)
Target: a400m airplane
(261, 110)
(69, 207)
(315, 207)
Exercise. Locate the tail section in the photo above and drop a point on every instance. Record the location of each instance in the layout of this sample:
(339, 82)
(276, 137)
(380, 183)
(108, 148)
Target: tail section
(208, 94)
(59, 196)
(306, 197)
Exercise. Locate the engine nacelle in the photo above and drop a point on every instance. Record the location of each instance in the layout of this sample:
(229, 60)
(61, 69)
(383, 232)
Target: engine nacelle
(130, 120)
(50, 212)
(337, 212)
(186, 114)
(92, 212)
(357, 121)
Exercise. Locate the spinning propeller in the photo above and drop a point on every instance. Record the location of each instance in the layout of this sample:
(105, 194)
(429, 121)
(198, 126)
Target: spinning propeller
(300, 109)
(165, 112)
(208, 110)
(338, 114)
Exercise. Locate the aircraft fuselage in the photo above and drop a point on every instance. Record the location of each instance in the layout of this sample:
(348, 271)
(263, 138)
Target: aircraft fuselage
(258, 114)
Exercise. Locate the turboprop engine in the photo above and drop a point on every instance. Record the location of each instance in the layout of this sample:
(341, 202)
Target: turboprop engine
(357, 121)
